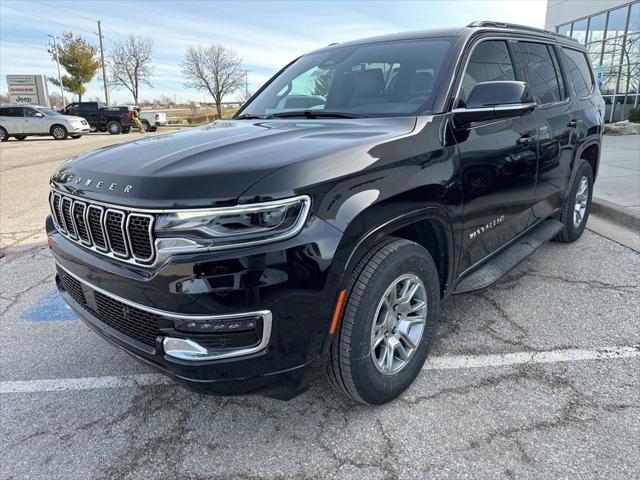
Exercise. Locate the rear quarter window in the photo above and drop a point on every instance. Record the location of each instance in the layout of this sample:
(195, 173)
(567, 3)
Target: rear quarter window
(579, 72)
(11, 112)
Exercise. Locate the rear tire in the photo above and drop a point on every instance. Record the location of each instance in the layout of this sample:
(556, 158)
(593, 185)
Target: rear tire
(376, 320)
(4, 136)
(577, 205)
(146, 125)
(114, 128)
(59, 132)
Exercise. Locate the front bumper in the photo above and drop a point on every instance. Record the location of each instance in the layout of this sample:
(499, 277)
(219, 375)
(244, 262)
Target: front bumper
(290, 280)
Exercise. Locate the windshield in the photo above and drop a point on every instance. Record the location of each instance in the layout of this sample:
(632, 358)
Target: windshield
(382, 79)
(48, 111)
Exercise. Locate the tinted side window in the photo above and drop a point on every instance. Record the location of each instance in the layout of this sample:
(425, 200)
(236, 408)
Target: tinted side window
(11, 112)
(489, 61)
(579, 71)
(543, 74)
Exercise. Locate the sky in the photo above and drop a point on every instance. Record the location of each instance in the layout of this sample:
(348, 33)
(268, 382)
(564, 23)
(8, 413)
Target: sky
(266, 34)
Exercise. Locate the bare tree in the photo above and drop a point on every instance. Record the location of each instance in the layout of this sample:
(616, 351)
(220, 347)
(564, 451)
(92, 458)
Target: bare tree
(215, 69)
(130, 64)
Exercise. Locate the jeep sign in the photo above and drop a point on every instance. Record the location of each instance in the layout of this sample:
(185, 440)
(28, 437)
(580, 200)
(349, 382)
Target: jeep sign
(28, 89)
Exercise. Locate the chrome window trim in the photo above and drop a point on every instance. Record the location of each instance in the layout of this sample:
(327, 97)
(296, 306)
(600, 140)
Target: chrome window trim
(150, 229)
(491, 34)
(265, 315)
(122, 231)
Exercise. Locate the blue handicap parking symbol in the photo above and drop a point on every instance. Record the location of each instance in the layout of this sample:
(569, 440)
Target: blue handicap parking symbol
(51, 307)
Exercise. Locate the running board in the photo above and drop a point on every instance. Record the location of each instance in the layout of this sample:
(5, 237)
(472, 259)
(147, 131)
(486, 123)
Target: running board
(499, 265)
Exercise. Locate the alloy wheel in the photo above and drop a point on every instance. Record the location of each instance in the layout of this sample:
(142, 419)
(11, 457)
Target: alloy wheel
(398, 324)
(581, 202)
(58, 132)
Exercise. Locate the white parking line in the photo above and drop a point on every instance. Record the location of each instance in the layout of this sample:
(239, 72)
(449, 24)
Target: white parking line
(444, 362)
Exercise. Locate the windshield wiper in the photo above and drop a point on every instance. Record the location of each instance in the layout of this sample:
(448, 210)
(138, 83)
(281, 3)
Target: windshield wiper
(316, 114)
(250, 116)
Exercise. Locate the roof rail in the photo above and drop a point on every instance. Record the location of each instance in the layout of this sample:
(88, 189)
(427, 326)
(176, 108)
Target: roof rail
(515, 26)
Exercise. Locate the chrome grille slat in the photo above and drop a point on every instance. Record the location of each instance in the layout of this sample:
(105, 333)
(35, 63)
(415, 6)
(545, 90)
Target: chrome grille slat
(114, 232)
(56, 209)
(68, 219)
(79, 210)
(114, 227)
(94, 220)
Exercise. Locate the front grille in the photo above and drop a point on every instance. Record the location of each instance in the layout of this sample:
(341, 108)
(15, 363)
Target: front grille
(111, 231)
(131, 321)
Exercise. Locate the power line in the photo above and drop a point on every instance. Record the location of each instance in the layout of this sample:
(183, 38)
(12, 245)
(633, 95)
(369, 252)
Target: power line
(22, 26)
(48, 20)
(23, 45)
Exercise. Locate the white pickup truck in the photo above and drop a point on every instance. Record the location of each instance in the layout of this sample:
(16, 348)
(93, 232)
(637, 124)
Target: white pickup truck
(152, 120)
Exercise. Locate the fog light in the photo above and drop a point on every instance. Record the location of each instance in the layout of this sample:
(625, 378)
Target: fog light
(215, 326)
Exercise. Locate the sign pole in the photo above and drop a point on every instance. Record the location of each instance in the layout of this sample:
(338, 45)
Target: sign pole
(55, 47)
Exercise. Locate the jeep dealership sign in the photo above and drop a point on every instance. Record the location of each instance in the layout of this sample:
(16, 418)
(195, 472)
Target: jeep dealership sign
(28, 89)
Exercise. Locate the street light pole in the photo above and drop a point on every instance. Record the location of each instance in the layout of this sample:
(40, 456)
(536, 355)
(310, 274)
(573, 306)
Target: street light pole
(55, 47)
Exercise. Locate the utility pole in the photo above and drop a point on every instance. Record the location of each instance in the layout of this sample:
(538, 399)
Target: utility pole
(104, 70)
(246, 85)
(55, 47)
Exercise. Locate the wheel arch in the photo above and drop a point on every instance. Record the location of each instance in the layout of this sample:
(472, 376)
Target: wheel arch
(428, 226)
(57, 125)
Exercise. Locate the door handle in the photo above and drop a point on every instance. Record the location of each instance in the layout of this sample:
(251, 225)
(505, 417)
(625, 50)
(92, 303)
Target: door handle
(572, 124)
(524, 141)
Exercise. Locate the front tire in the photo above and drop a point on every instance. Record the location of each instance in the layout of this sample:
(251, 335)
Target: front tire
(392, 306)
(577, 205)
(59, 132)
(4, 136)
(114, 128)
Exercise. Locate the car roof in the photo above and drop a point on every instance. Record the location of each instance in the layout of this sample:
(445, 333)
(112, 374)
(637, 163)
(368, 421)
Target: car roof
(465, 32)
(2, 105)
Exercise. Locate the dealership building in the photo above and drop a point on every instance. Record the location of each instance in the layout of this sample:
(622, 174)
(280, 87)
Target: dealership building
(610, 30)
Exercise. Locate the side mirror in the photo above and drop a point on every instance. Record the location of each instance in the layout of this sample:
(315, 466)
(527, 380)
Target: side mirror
(496, 100)
(39, 115)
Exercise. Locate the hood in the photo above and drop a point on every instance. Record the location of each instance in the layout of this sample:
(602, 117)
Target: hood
(213, 165)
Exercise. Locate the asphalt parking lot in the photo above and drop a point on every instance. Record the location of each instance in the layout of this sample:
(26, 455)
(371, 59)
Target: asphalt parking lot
(537, 377)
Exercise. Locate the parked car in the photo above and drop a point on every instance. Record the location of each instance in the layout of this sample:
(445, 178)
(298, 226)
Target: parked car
(152, 120)
(250, 255)
(21, 121)
(100, 117)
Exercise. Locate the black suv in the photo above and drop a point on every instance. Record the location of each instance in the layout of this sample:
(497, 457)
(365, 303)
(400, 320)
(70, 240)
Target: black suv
(318, 230)
(101, 117)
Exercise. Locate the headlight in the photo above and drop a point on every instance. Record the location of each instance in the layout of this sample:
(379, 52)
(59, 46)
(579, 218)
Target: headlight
(232, 227)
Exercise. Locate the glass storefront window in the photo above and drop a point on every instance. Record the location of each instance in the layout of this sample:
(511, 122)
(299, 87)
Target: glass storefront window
(634, 19)
(617, 22)
(631, 52)
(612, 54)
(610, 81)
(580, 30)
(565, 29)
(596, 27)
(629, 76)
(595, 53)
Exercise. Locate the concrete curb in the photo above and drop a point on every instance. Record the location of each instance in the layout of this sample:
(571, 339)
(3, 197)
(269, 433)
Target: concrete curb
(615, 213)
